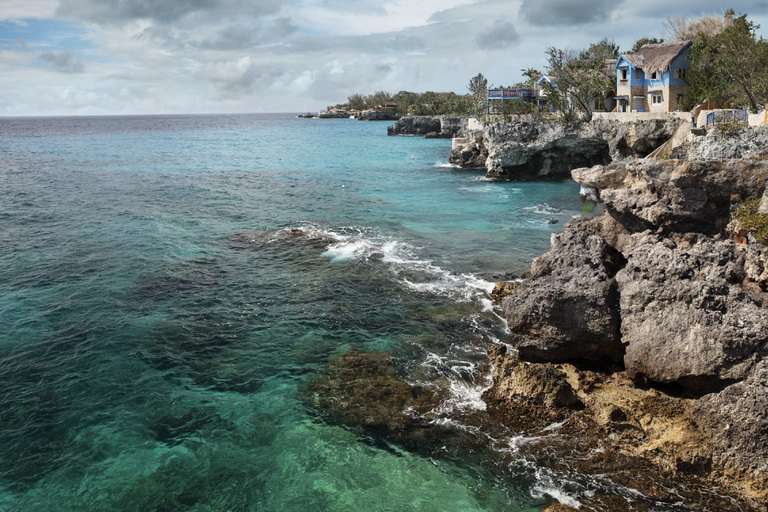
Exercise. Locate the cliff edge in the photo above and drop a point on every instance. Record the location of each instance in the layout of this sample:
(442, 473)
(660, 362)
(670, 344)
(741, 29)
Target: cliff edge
(663, 299)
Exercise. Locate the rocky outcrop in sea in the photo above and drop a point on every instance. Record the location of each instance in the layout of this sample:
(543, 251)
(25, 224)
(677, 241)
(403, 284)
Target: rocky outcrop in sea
(533, 149)
(660, 292)
(443, 127)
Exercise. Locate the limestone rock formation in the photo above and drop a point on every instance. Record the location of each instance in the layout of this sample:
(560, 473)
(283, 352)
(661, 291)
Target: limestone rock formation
(429, 126)
(729, 141)
(535, 149)
(569, 307)
(658, 283)
(685, 316)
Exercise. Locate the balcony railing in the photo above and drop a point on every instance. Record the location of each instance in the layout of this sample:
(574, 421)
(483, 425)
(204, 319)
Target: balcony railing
(497, 94)
(726, 116)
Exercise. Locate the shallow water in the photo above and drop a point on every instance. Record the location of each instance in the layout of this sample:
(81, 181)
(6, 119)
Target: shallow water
(149, 360)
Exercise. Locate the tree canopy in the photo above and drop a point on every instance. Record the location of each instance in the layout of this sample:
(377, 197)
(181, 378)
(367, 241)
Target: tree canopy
(730, 67)
(580, 77)
(644, 41)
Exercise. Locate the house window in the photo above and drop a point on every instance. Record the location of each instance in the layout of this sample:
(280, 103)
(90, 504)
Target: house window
(654, 75)
(680, 74)
(623, 74)
(638, 74)
(656, 99)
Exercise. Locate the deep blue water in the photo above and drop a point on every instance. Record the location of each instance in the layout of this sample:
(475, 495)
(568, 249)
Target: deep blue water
(150, 362)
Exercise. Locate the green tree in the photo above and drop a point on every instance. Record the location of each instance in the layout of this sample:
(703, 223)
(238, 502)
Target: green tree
(356, 102)
(580, 79)
(730, 67)
(478, 88)
(644, 41)
(379, 99)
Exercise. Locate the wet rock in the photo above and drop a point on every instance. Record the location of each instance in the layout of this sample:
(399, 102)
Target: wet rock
(541, 385)
(503, 288)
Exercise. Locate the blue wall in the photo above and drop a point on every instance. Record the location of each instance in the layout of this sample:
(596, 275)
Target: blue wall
(667, 78)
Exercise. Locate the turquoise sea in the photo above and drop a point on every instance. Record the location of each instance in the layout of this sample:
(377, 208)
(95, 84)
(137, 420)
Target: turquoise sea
(150, 360)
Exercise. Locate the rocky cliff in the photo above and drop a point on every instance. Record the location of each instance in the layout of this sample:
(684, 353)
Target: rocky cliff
(726, 141)
(656, 291)
(535, 149)
(443, 127)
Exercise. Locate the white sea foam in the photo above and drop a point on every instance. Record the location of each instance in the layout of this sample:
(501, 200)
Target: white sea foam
(446, 165)
(346, 251)
(413, 272)
(543, 209)
(542, 489)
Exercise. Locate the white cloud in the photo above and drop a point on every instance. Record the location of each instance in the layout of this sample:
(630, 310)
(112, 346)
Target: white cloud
(153, 56)
(20, 9)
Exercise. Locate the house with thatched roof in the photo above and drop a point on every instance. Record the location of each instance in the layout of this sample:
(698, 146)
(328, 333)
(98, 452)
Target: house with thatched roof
(652, 80)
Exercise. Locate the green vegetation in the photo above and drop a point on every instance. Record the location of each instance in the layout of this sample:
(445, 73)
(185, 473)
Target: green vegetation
(644, 41)
(729, 67)
(581, 79)
(752, 220)
(412, 103)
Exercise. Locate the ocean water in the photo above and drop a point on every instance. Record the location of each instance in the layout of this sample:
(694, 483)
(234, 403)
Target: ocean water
(152, 356)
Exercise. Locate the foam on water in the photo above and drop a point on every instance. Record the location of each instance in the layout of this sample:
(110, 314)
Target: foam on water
(150, 360)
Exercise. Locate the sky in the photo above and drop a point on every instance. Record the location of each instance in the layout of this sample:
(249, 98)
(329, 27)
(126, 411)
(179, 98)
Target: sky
(103, 57)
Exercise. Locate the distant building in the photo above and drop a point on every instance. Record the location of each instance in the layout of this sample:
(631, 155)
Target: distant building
(651, 80)
(496, 97)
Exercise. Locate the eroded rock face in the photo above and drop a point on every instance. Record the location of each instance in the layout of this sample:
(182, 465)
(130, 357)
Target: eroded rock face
(432, 126)
(672, 195)
(688, 301)
(569, 308)
(532, 149)
(469, 151)
(737, 419)
(686, 318)
(540, 150)
(736, 142)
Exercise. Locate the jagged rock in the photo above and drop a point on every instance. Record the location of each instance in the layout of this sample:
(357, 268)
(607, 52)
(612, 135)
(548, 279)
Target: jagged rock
(736, 419)
(377, 115)
(538, 150)
(677, 196)
(537, 384)
(684, 316)
(756, 266)
(733, 142)
(532, 149)
(469, 151)
(569, 307)
(503, 288)
(436, 126)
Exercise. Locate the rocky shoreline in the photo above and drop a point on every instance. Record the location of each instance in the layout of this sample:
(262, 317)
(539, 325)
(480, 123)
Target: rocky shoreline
(639, 341)
(656, 293)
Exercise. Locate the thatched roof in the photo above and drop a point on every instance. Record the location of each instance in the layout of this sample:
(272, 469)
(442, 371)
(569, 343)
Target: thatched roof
(657, 56)
(609, 68)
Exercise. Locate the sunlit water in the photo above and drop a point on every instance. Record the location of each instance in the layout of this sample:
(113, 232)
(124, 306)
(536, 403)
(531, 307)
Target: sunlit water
(148, 362)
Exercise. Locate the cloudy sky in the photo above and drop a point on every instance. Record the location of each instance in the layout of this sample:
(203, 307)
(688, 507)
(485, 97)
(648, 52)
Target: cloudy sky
(71, 57)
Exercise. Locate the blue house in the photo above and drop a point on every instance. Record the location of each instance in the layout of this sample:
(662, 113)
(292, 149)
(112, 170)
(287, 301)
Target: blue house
(652, 80)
